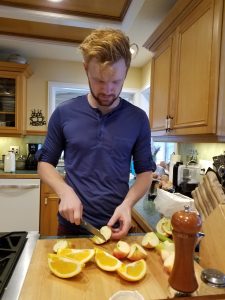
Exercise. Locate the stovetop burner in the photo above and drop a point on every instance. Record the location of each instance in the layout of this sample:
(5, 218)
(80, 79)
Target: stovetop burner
(11, 246)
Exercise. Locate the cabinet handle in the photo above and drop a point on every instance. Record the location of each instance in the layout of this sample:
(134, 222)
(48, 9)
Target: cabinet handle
(50, 197)
(169, 124)
(166, 122)
(17, 186)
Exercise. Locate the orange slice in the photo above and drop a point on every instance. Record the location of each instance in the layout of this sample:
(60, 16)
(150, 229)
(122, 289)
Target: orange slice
(80, 255)
(134, 271)
(106, 261)
(63, 267)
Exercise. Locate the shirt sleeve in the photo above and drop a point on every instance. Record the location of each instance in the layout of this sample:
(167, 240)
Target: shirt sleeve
(54, 142)
(142, 155)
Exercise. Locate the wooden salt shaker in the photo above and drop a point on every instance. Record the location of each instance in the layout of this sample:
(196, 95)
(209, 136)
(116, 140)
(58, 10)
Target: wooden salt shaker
(186, 224)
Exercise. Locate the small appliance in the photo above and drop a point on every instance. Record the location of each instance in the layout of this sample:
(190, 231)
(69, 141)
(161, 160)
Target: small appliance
(31, 162)
(189, 174)
(188, 178)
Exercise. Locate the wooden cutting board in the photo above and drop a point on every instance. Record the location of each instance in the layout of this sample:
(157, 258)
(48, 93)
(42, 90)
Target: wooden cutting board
(93, 283)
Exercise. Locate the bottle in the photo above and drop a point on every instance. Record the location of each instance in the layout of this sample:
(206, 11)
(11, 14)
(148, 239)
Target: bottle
(186, 225)
(10, 162)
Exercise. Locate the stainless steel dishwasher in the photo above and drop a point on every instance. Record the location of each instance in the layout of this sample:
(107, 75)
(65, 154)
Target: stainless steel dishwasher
(19, 204)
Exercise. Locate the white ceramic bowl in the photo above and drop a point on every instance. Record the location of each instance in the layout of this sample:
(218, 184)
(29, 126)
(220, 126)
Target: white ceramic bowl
(127, 295)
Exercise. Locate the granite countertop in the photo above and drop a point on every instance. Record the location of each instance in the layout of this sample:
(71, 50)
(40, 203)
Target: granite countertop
(23, 174)
(144, 213)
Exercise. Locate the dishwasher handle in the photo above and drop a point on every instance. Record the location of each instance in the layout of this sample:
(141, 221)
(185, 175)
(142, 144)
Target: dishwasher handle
(19, 186)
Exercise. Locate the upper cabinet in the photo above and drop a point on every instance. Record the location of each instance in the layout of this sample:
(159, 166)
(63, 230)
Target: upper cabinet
(13, 79)
(187, 70)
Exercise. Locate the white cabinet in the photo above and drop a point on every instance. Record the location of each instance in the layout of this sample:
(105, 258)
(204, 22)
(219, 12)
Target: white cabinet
(19, 204)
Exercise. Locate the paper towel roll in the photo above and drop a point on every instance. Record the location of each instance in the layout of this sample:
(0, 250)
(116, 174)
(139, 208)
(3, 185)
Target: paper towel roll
(173, 159)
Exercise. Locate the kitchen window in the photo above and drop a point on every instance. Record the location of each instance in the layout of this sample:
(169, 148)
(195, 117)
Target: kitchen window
(59, 92)
(162, 151)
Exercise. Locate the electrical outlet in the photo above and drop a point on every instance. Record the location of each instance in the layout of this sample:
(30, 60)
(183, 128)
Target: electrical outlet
(15, 149)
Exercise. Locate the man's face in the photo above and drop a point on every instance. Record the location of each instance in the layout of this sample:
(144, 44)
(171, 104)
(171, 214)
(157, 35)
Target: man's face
(106, 81)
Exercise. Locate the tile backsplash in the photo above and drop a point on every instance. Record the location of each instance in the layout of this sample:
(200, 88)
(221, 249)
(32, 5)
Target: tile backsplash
(6, 142)
(205, 151)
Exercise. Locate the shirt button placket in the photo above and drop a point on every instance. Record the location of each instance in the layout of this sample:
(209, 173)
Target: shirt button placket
(101, 128)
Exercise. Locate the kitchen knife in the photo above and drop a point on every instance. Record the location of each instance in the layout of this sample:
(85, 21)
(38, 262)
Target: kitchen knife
(92, 229)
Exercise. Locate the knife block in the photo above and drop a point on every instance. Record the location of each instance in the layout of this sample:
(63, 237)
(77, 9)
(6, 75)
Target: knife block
(213, 244)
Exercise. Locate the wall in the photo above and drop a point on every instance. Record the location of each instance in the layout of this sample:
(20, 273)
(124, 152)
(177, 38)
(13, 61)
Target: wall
(142, 97)
(73, 72)
(45, 70)
(37, 86)
(146, 75)
(205, 151)
(62, 71)
(6, 142)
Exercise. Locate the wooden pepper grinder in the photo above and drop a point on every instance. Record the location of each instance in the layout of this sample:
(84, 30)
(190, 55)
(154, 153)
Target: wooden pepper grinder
(186, 224)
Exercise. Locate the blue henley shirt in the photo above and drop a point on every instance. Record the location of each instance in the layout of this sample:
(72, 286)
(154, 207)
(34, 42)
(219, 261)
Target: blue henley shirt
(97, 152)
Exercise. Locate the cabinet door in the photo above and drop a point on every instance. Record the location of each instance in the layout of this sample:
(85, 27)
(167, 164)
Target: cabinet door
(160, 86)
(13, 79)
(196, 75)
(48, 216)
(7, 102)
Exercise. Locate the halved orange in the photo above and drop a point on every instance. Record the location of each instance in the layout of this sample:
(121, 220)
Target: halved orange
(134, 271)
(81, 255)
(106, 261)
(64, 267)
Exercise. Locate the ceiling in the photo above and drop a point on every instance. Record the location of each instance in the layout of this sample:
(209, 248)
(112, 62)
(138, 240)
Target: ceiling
(43, 29)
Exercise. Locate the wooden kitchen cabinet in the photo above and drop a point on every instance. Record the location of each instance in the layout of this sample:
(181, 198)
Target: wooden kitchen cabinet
(186, 72)
(13, 79)
(48, 211)
(160, 91)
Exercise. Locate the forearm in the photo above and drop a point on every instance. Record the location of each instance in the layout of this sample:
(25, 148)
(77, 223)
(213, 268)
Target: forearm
(138, 189)
(70, 206)
(123, 212)
(50, 175)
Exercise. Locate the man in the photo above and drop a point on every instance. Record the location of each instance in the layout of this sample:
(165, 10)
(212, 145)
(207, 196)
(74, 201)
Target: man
(99, 133)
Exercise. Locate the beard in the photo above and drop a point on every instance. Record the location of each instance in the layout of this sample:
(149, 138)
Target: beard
(103, 99)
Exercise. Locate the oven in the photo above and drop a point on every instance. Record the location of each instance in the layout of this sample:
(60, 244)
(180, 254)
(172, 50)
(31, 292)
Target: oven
(11, 247)
(16, 249)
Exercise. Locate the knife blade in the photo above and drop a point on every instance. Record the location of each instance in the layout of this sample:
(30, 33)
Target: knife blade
(92, 229)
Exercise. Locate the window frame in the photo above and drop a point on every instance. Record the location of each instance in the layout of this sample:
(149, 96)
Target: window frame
(53, 87)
